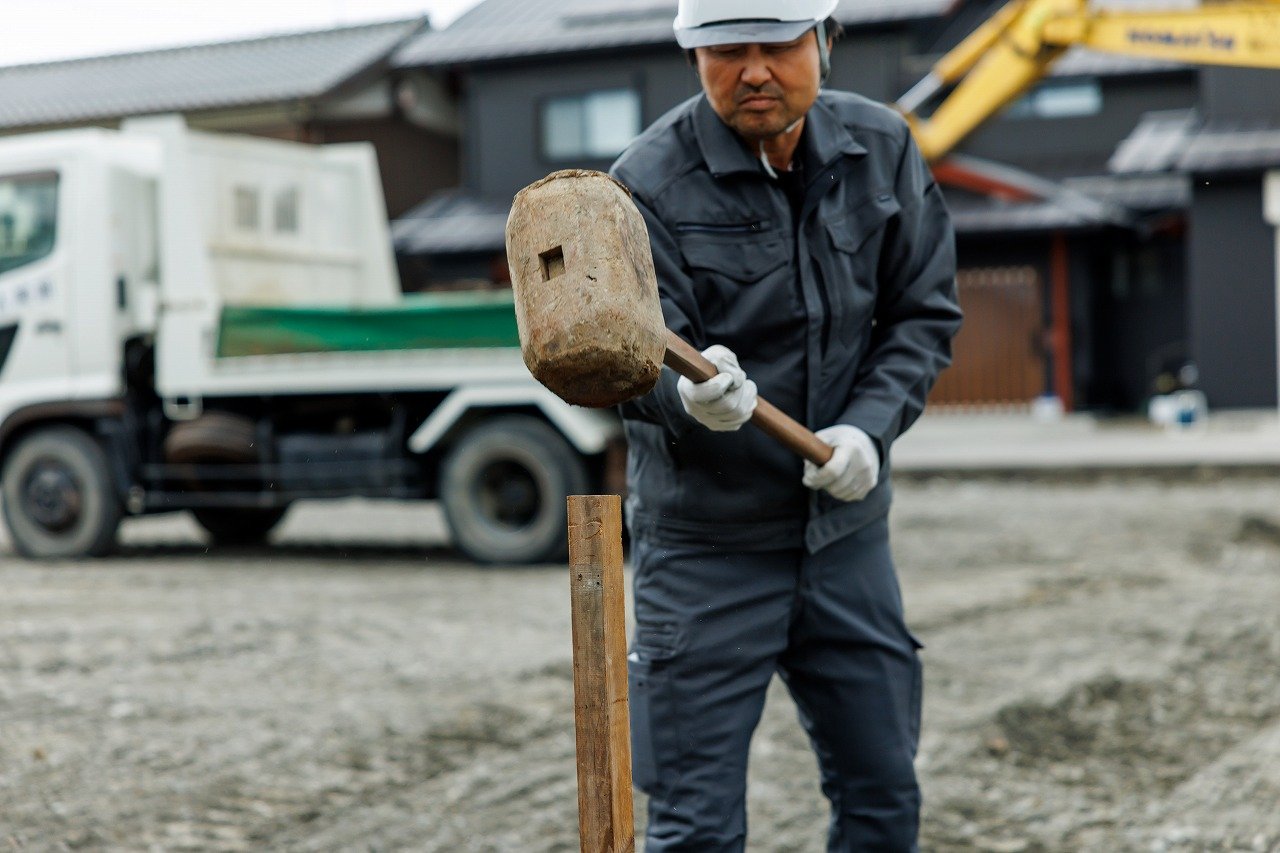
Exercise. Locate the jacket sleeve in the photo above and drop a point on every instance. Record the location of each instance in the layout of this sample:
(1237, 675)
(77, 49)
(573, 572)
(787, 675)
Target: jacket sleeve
(917, 311)
(680, 311)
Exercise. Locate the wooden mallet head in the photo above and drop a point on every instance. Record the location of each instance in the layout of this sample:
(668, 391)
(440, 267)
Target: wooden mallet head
(586, 295)
(591, 325)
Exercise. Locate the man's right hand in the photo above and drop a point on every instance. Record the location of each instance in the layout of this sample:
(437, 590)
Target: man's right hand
(724, 402)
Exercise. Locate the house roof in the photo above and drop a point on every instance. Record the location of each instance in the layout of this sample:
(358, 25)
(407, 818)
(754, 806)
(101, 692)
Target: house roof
(972, 214)
(990, 217)
(229, 74)
(1181, 141)
(452, 223)
(507, 29)
(1156, 144)
(1144, 193)
(1224, 146)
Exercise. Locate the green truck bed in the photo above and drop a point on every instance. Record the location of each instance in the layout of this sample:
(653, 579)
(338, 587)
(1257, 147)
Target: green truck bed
(435, 321)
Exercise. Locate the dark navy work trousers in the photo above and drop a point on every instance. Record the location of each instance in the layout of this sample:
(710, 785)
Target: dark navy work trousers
(712, 628)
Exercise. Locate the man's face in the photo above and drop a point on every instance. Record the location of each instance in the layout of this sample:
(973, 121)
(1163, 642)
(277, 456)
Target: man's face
(760, 90)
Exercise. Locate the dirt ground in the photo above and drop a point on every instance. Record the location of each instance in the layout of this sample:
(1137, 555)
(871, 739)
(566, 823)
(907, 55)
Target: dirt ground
(1103, 674)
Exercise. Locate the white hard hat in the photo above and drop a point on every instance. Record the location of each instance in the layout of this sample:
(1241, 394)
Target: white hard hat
(704, 23)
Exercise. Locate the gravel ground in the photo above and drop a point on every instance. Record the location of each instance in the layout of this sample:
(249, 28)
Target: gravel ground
(1103, 674)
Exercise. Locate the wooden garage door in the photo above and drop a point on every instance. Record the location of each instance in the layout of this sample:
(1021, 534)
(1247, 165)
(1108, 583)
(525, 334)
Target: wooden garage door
(999, 353)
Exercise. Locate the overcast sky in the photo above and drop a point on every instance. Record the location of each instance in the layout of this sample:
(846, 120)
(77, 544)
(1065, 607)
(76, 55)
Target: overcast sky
(40, 30)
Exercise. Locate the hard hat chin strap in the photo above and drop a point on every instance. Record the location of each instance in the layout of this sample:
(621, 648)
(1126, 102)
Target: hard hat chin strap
(824, 51)
(764, 156)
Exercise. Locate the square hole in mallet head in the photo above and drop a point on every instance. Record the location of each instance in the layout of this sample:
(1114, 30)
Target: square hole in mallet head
(552, 263)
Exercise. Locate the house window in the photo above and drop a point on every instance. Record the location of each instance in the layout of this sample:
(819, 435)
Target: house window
(287, 211)
(28, 218)
(246, 201)
(1060, 100)
(597, 125)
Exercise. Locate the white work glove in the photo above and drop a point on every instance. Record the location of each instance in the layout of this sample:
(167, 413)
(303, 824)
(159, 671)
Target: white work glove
(724, 402)
(854, 469)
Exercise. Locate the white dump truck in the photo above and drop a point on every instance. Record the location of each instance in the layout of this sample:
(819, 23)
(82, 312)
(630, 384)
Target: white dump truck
(191, 321)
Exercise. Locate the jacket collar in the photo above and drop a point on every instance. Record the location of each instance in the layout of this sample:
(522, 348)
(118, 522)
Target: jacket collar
(725, 153)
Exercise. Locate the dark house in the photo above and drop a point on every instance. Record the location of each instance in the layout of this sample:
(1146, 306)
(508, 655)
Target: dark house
(333, 85)
(551, 85)
(1155, 259)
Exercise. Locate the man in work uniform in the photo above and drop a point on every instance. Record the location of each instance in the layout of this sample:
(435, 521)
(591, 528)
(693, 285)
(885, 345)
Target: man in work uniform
(799, 237)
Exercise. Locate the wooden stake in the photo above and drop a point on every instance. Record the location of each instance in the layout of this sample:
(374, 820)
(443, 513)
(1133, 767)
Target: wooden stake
(605, 820)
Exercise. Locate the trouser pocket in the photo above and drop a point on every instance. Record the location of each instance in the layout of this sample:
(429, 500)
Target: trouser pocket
(653, 728)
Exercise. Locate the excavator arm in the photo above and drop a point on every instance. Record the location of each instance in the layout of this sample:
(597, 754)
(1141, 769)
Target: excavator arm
(1017, 47)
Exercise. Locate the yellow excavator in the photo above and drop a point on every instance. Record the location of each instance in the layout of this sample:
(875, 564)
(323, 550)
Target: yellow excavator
(1017, 47)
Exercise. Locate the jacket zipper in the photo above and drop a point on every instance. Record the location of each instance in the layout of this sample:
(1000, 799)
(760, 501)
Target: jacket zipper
(713, 228)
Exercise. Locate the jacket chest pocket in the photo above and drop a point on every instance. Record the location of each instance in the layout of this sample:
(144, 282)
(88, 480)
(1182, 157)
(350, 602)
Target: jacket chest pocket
(740, 280)
(856, 239)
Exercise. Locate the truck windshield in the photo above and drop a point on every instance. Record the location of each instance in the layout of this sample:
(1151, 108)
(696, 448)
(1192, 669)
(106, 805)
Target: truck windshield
(28, 218)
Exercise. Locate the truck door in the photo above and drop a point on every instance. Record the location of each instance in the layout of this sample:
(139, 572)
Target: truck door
(35, 339)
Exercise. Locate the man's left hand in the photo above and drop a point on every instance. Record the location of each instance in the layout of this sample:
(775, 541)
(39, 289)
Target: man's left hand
(854, 469)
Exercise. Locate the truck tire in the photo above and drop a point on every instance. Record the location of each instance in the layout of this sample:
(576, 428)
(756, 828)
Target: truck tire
(503, 489)
(239, 526)
(60, 499)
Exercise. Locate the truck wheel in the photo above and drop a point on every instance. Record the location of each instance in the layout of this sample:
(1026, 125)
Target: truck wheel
(503, 489)
(239, 525)
(60, 500)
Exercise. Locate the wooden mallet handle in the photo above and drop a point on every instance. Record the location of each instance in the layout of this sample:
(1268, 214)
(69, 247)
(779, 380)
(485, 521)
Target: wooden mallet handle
(687, 361)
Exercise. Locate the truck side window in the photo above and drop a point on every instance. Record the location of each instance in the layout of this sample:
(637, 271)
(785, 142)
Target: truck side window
(28, 218)
(287, 211)
(246, 208)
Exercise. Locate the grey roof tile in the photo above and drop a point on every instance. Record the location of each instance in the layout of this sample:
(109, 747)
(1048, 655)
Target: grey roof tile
(1136, 192)
(505, 29)
(1232, 147)
(1156, 144)
(1180, 141)
(972, 214)
(230, 74)
(452, 222)
(1007, 217)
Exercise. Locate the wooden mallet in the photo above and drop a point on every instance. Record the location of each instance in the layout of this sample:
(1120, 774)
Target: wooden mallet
(586, 295)
(591, 330)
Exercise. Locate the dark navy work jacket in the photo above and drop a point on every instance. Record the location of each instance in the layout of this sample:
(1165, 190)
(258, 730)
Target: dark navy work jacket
(842, 312)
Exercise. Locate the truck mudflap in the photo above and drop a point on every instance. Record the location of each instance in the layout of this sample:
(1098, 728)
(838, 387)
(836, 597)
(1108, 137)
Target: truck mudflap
(588, 430)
